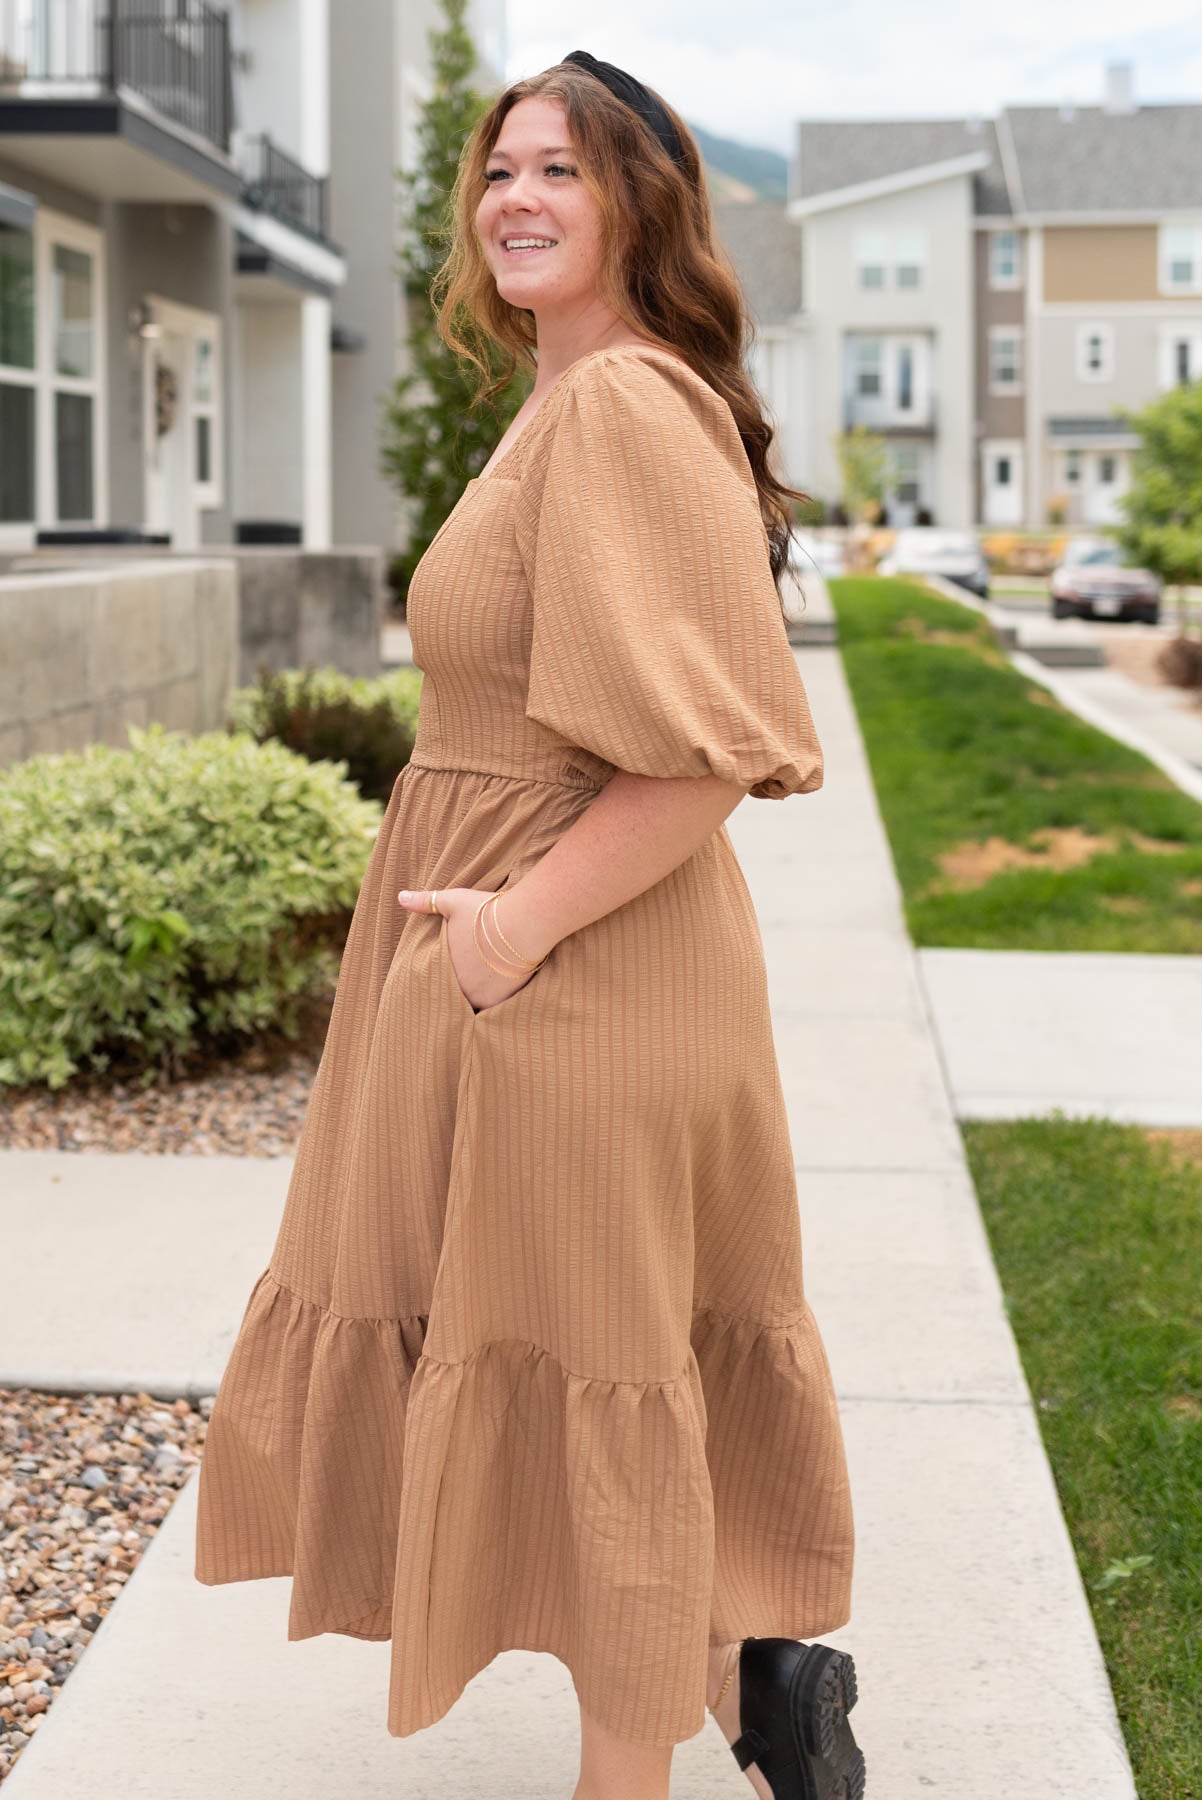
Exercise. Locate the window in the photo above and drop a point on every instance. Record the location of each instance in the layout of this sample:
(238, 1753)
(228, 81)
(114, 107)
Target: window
(1072, 468)
(1181, 259)
(1107, 469)
(902, 252)
(907, 469)
(867, 357)
(51, 373)
(909, 253)
(872, 252)
(204, 407)
(1005, 260)
(1002, 471)
(1095, 353)
(1181, 354)
(73, 327)
(905, 378)
(1005, 359)
(18, 392)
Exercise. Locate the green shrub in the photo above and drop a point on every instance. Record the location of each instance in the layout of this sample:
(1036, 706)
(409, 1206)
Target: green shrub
(327, 716)
(180, 892)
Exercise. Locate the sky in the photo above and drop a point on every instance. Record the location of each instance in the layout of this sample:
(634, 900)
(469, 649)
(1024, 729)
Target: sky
(749, 70)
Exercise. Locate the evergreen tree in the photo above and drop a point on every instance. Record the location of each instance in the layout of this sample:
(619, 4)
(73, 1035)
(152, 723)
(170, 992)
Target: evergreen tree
(431, 441)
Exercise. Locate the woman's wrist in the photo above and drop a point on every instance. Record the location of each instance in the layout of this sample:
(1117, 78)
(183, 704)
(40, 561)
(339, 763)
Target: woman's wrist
(523, 922)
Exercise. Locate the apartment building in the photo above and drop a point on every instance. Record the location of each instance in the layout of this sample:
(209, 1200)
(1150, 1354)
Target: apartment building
(198, 294)
(989, 296)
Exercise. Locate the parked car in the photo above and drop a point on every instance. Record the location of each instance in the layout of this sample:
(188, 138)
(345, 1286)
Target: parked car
(1094, 582)
(925, 550)
(808, 551)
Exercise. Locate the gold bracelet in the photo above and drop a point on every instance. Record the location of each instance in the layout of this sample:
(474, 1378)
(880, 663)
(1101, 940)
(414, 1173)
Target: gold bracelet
(531, 962)
(527, 967)
(484, 956)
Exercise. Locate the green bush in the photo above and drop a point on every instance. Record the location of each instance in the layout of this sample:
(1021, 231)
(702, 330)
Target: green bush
(327, 716)
(180, 892)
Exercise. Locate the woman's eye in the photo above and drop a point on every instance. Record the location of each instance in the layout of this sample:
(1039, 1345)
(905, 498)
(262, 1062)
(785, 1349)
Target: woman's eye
(491, 175)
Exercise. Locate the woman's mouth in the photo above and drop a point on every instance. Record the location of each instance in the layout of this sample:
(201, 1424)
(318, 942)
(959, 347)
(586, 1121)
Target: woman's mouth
(526, 245)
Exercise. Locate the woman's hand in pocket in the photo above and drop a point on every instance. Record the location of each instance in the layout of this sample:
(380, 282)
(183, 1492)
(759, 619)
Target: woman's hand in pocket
(482, 986)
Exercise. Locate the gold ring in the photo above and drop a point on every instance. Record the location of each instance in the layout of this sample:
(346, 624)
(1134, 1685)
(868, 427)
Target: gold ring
(433, 899)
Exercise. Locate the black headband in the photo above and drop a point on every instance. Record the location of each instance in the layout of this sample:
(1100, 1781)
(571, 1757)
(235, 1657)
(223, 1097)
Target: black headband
(632, 91)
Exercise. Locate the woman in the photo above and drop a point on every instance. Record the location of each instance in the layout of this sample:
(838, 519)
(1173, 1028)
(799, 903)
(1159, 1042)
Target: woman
(531, 1364)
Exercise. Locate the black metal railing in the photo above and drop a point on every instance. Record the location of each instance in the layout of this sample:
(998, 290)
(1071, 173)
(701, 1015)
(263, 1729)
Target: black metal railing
(278, 184)
(175, 56)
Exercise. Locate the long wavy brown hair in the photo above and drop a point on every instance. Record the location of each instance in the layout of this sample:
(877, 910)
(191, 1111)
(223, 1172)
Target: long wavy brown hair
(661, 269)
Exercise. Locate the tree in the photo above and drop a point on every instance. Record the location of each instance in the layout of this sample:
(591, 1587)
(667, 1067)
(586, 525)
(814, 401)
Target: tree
(431, 440)
(863, 468)
(1162, 508)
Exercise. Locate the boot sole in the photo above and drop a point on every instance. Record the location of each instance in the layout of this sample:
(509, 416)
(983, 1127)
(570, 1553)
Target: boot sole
(824, 1692)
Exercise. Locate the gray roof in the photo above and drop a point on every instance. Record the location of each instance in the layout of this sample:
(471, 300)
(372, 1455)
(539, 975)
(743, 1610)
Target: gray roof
(765, 246)
(839, 153)
(1085, 159)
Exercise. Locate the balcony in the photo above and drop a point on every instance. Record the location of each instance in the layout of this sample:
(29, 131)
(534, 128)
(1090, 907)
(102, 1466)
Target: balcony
(885, 417)
(276, 183)
(117, 98)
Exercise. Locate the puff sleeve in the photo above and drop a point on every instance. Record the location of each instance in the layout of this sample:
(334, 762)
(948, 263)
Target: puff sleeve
(658, 643)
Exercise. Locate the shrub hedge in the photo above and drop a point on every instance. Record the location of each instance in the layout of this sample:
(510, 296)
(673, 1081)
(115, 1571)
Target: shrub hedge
(184, 889)
(369, 724)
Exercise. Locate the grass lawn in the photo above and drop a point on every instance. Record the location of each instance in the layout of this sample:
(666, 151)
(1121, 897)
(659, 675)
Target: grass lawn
(1097, 1233)
(1013, 824)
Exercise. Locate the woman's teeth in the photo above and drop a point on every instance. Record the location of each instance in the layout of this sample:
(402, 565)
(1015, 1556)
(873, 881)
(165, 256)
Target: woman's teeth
(526, 246)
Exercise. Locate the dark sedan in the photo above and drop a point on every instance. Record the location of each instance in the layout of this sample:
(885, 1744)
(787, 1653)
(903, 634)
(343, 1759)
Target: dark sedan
(1093, 582)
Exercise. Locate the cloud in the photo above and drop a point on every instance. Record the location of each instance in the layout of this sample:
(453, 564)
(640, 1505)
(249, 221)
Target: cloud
(752, 71)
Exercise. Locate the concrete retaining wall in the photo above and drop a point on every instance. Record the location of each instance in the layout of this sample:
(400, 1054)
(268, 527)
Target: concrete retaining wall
(93, 638)
(87, 650)
(310, 607)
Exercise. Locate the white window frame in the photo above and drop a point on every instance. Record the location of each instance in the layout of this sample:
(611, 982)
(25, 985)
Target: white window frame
(17, 534)
(51, 228)
(905, 466)
(1186, 331)
(1074, 467)
(872, 252)
(1174, 239)
(859, 363)
(1105, 336)
(69, 234)
(999, 334)
(909, 252)
(1002, 280)
(208, 493)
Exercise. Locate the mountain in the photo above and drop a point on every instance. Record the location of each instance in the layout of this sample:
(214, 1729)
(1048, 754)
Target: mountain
(741, 171)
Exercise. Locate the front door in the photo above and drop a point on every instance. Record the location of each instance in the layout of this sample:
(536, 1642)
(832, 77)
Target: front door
(1003, 483)
(168, 440)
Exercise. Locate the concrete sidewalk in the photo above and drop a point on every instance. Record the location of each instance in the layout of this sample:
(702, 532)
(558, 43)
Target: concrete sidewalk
(980, 1672)
(1024, 1032)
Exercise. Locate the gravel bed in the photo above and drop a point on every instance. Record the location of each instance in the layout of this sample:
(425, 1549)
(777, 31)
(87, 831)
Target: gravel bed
(249, 1104)
(85, 1481)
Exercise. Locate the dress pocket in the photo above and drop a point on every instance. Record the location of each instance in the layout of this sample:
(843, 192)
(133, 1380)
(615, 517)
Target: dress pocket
(481, 1012)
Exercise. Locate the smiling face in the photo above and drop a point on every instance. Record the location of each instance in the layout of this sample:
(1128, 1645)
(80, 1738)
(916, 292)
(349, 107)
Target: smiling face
(533, 190)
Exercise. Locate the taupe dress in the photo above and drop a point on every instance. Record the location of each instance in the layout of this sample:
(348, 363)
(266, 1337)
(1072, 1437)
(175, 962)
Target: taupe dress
(531, 1364)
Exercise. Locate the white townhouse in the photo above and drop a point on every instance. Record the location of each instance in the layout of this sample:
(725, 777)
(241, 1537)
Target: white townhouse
(199, 306)
(988, 295)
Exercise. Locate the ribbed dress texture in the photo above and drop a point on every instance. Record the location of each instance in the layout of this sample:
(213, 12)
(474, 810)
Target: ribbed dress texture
(531, 1364)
